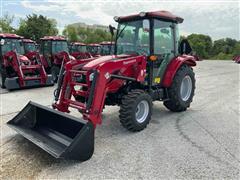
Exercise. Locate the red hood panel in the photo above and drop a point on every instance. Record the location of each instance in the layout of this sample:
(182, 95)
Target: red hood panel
(94, 63)
(23, 58)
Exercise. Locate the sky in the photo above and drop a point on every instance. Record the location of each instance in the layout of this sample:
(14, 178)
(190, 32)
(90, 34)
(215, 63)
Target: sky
(217, 18)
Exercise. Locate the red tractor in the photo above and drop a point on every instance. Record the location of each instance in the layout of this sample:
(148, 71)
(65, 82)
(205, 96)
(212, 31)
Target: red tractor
(236, 59)
(107, 48)
(130, 79)
(94, 49)
(79, 50)
(20, 68)
(54, 50)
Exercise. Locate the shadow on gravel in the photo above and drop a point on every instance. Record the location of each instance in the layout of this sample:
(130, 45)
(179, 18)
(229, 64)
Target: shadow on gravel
(21, 159)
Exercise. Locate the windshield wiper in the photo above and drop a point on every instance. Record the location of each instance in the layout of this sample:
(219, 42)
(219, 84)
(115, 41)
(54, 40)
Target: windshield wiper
(119, 34)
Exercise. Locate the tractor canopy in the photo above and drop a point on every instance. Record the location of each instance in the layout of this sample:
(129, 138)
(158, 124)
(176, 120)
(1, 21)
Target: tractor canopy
(77, 47)
(107, 48)
(29, 45)
(53, 44)
(163, 15)
(94, 49)
(10, 42)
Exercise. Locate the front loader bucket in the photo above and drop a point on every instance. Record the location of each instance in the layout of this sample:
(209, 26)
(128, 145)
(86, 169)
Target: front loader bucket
(61, 135)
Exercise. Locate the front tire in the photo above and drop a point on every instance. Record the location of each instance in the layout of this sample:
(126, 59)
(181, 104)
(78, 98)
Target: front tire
(135, 110)
(182, 89)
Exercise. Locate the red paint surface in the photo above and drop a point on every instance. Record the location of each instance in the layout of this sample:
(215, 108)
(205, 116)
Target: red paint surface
(174, 66)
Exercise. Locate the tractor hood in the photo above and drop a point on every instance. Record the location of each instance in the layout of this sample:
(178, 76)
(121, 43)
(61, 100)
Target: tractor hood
(23, 58)
(98, 61)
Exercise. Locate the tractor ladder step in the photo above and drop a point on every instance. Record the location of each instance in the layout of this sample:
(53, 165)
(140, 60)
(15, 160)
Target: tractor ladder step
(77, 105)
(79, 84)
(31, 78)
(30, 67)
(78, 72)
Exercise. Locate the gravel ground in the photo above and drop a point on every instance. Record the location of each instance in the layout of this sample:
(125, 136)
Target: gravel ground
(202, 142)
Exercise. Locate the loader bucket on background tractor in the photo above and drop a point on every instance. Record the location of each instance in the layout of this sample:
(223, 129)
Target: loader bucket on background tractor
(59, 134)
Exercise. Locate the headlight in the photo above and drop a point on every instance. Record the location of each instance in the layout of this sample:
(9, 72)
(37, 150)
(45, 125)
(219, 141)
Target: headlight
(91, 76)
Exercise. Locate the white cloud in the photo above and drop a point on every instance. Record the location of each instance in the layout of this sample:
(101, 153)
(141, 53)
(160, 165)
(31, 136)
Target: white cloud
(216, 18)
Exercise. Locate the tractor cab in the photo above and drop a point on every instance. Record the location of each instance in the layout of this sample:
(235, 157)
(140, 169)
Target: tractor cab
(153, 34)
(29, 46)
(79, 50)
(54, 50)
(10, 42)
(31, 51)
(107, 48)
(94, 49)
(20, 69)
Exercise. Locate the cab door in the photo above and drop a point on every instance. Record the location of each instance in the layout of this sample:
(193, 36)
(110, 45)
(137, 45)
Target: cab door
(45, 50)
(164, 47)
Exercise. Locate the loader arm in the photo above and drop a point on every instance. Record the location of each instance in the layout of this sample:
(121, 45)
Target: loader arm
(108, 77)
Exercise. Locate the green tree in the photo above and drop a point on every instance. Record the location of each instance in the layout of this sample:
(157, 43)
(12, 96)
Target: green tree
(37, 26)
(201, 44)
(6, 24)
(71, 33)
(86, 35)
(236, 49)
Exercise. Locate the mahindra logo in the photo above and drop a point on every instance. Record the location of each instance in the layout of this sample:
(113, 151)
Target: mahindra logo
(127, 62)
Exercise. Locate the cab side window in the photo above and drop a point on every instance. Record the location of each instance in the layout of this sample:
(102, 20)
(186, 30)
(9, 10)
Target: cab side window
(163, 37)
(46, 47)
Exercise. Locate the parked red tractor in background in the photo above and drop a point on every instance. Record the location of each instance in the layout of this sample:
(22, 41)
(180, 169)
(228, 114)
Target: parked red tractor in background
(79, 50)
(54, 51)
(19, 68)
(107, 48)
(236, 59)
(30, 49)
(131, 78)
(94, 49)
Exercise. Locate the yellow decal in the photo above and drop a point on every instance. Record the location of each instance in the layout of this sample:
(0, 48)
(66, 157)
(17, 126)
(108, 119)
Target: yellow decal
(157, 80)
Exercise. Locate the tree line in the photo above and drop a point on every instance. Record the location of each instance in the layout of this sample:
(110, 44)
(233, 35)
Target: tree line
(36, 26)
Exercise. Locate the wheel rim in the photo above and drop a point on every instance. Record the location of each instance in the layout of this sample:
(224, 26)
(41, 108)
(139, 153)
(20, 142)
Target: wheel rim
(142, 111)
(186, 88)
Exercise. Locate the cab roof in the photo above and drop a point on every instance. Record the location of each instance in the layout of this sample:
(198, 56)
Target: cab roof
(28, 41)
(94, 44)
(106, 43)
(8, 35)
(78, 43)
(57, 38)
(164, 15)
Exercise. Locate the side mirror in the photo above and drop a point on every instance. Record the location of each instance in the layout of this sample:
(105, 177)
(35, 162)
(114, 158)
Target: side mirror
(146, 25)
(111, 29)
(184, 47)
(2, 42)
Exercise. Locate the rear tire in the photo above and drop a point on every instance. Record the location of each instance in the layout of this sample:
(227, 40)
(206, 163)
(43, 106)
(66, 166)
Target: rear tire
(181, 91)
(135, 110)
(55, 72)
(3, 76)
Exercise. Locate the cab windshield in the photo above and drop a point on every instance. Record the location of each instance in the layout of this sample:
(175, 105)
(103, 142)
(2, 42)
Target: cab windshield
(59, 46)
(78, 48)
(30, 47)
(8, 44)
(133, 37)
(94, 49)
(107, 49)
